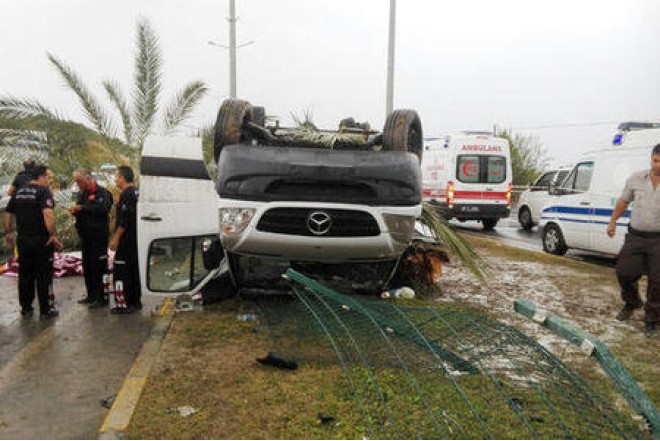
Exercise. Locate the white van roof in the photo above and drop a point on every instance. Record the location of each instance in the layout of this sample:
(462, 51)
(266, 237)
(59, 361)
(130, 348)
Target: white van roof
(634, 138)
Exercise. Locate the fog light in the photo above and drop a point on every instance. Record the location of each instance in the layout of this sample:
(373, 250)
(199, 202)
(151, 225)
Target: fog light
(400, 226)
(235, 220)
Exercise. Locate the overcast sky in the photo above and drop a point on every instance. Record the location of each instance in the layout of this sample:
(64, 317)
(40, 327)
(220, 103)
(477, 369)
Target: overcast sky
(566, 71)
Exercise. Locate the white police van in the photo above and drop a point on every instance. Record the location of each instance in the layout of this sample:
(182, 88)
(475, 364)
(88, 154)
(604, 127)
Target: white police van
(577, 218)
(468, 176)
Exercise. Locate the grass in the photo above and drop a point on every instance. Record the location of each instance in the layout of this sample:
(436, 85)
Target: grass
(208, 362)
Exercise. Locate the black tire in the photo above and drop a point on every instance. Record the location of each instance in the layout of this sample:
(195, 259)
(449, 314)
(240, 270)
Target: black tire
(525, 218)
(553, 240)
(259, 115)
(489, 223)
(403, 132)
(228, 127)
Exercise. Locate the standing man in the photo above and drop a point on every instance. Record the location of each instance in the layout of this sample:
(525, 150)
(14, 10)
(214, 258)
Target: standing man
(92, 215)
(128, 292)
(22, 178)
(33, 206)
(641, 250)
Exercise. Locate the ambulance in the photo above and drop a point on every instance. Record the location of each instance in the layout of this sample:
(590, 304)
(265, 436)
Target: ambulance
(577, 217)
(468, 176)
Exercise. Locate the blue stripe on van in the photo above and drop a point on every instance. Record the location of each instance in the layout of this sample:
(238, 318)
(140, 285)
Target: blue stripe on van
(583, 210)
(606, 212)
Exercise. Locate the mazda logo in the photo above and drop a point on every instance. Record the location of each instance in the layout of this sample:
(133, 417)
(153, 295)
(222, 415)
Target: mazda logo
(319, 223)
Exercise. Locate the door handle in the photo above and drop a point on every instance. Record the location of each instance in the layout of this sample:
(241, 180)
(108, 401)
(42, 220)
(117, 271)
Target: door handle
(152, 218)
(585, 203)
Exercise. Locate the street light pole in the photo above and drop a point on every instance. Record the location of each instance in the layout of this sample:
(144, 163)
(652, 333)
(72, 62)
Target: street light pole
(389, 101)
(232, 48)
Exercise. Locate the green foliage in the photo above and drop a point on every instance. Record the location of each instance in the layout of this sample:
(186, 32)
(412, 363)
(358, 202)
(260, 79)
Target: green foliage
(83, 147)
(528, 156)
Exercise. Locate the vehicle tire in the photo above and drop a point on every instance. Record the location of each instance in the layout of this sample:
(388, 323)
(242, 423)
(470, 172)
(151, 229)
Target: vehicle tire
(403, 132)
(525, 218)
(229, 124)
(553, 240)
(259, 115)
(489, 223)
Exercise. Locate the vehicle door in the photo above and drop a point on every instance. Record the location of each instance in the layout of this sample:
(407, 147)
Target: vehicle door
(177, 216)
(538, 194)
(574, 207)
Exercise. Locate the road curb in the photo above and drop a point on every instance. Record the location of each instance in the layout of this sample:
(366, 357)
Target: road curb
(119, 416)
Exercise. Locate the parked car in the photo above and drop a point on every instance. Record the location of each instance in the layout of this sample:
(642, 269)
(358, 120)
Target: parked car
(344, 214)
(537, 196)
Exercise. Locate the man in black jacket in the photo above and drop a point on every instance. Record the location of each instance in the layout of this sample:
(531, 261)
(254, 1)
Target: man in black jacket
(91, 212)
(128, 292)
(33, 205)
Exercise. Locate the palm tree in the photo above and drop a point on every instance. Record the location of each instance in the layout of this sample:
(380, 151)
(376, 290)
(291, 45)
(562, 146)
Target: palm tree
(138, 117)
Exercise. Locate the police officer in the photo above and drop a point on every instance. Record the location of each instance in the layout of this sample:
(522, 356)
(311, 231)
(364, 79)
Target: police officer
(641, 249)
(33, 206)
(92, 215)
(126, 275)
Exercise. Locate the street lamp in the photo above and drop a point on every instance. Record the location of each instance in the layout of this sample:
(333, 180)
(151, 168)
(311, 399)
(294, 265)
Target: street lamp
(232, 47)
(389, 96)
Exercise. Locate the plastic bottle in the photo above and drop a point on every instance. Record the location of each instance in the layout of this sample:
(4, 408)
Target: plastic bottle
(405, 292)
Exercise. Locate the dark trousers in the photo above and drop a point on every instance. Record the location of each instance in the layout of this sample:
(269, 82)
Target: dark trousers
(640, 255)
(35, 268)
(95, 263)
(127, 272)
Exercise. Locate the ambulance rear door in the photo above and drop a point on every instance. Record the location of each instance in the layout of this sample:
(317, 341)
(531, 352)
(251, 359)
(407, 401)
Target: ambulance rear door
(483, 177)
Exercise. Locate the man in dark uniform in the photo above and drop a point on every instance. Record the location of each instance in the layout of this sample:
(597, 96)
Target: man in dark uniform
(33, 206)
(128, 292)
(91, 212)
(22, 178)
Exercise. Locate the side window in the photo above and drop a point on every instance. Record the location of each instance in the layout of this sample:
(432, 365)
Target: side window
(468, 169)
(543, 182)
(583, 178)
(177, 264)
(496, 169)
(561, 175)
(579, 179)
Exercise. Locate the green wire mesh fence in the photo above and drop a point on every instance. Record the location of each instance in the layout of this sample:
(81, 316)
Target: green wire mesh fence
(419, 372)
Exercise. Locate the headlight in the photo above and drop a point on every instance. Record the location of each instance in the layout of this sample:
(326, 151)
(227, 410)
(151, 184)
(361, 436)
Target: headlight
(235, 220)
(401, 227)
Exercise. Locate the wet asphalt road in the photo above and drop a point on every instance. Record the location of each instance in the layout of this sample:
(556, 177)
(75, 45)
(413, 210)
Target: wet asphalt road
(509, 232)
(55, 372)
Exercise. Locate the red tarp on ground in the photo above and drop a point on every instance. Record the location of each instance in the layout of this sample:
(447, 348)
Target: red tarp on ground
(65, 264)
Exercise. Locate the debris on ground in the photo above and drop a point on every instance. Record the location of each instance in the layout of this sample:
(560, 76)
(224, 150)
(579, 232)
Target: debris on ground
(421, 266)
(184, 303)
(107, 402)
(325, 419)
(405, 292)
(276, 360)
(184, 411)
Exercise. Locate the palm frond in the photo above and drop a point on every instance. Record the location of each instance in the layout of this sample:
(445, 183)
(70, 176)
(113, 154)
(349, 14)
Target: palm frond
(21, 108)
(117, 98)
(148, 64)
(93, 110)
(179, 109)
(456, 245)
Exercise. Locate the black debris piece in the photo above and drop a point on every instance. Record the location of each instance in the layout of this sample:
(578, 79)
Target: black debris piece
(276, 360)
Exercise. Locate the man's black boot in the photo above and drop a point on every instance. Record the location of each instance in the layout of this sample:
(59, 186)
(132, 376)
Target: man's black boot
(627, 311)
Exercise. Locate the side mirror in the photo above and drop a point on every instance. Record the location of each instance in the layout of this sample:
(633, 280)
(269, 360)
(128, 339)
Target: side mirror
(553, 189)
